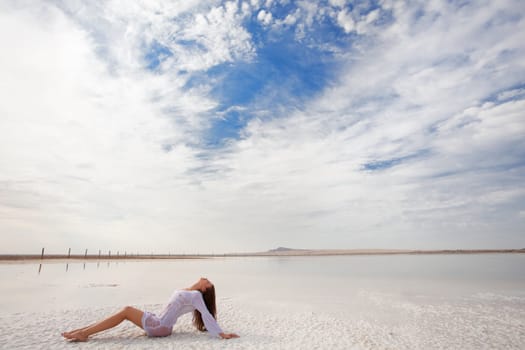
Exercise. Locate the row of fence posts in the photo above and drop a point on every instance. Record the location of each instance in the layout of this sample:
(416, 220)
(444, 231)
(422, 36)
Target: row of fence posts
(109, 254)
(85, 257)
(99, 257)
(99, 254)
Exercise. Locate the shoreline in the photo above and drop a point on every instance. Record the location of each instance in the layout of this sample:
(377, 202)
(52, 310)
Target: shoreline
(280, 253)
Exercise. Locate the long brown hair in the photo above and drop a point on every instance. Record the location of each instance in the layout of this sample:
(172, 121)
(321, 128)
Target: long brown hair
(209, 300)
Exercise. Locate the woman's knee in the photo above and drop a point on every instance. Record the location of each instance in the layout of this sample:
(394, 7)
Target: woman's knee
(127, 309)
(133, 314)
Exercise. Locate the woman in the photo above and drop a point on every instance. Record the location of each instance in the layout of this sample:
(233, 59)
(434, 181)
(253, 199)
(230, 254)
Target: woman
(199, 298)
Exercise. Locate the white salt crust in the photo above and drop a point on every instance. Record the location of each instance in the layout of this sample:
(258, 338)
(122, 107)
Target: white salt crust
(481, 322)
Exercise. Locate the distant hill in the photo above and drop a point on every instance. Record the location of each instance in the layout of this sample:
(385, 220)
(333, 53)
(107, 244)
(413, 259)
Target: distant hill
(281, 249)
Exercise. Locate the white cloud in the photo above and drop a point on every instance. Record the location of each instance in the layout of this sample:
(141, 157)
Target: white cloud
(371, 16)
(289, 20)
(415, 91)
(310, 9)
(264, 17)
(514, 93)
(80, 149)
(338, 3)
(221, 35)
(213, 30)
(354, 21)
(345, 20)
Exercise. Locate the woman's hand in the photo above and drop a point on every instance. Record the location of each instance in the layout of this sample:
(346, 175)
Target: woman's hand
(228, 335)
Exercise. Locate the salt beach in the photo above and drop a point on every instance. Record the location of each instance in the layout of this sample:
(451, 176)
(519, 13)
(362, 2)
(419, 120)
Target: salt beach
(338, 302)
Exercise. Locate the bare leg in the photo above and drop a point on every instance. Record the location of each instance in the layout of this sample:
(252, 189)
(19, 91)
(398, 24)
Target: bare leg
(127, 313)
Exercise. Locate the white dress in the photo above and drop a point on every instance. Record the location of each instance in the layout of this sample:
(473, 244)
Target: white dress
(181, 302)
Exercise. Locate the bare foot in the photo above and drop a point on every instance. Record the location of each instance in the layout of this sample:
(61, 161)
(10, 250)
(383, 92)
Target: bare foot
(77, 335)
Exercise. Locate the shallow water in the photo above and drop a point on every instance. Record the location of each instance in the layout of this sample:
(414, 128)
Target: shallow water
(334, 283)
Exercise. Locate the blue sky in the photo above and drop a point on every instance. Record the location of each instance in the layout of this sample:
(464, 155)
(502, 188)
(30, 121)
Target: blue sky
(246, 125)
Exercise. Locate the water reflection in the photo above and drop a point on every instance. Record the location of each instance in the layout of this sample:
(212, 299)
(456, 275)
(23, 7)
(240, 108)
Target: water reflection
(109, 264)
(339, 279)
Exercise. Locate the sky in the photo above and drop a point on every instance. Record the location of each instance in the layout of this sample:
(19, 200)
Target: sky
(236, 126)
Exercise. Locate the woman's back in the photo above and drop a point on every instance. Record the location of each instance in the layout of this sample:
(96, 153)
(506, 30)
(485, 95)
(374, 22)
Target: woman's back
(180, 302)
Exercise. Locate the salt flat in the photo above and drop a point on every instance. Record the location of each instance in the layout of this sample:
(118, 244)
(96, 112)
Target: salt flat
(485, 322)
(350, 302)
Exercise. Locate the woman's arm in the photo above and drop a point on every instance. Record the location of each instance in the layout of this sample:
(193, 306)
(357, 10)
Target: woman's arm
(209, 321)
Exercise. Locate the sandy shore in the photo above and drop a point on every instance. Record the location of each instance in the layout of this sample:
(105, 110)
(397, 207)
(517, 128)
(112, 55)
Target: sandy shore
(489, 323)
